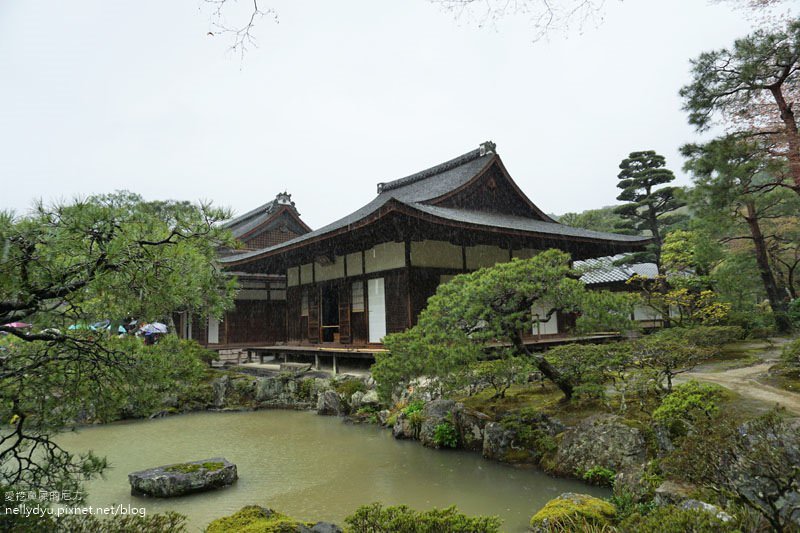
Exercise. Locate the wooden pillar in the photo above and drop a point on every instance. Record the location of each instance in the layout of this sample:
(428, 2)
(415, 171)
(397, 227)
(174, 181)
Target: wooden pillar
(316, 361)
(335, 367)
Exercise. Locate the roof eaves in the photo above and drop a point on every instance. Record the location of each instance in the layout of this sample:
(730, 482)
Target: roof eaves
(482, 150)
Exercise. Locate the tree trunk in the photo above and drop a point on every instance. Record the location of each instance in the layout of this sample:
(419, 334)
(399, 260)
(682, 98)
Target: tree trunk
(777, 297)
(544, 366)
(792, 136)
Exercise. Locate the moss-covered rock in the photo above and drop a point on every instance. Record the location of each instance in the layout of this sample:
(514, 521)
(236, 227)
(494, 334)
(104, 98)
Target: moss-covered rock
(571, 511)
(256, 519)
(600, 440)
(184, 478)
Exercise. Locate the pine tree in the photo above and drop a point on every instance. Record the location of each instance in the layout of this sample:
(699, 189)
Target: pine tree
(648, 207)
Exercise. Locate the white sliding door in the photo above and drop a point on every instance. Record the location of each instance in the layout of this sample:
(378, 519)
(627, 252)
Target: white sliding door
(213, 331)
(376, 301)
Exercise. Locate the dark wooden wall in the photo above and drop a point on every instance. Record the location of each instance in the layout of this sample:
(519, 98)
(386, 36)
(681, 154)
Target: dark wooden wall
(270, 238)
(254, 322)
(397, 301)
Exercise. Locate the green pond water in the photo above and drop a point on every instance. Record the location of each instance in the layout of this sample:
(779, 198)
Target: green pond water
(310, 467)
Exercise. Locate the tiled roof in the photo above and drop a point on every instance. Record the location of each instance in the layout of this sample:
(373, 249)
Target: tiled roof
(250, 220)
(500, 220)
(416, 190)
(602, 270)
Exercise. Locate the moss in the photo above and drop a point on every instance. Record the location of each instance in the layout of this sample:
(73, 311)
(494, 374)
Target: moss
(255, 519)
(349, 387)
(517, 397)
(517, 456)
(305, 389)
(391, 420)
(188, 468)
(568, 508)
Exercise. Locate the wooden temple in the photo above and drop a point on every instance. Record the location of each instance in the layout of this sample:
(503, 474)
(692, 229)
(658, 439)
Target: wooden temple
(346, 285)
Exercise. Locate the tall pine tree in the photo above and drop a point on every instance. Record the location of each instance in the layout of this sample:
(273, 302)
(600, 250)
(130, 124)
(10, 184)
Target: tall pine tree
(648, 209)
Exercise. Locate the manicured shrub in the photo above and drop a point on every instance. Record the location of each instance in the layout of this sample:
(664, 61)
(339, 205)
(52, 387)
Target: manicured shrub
(255, 519)
(671, 519)
(686, 404)
(704, 336)
(570, 509)
(375, 518)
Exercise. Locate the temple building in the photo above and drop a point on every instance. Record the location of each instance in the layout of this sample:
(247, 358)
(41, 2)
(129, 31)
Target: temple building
(346, 285)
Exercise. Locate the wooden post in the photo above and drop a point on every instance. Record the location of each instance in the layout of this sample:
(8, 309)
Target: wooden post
(316, 361)
(335, 368)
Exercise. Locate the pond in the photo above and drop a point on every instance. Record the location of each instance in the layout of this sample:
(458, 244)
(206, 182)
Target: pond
(310, 467)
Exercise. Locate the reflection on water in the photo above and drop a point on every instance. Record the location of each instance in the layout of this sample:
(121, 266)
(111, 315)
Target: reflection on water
(310, 467)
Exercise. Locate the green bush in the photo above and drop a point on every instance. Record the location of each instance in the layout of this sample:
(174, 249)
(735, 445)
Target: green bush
(791, 353)
(349, 387)
(570, 510)
(415, 420)
(671, 519)
(686, 404)
(600, 475)
(305, 389)
(255, 519)
(169, 522)
(704, 336)
(445, 435)
(375, 518)
(794, 313)
(589, 366)
(627, 504)
(413, 407)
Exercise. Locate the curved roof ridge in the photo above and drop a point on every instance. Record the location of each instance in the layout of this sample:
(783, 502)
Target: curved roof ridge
(482, 150)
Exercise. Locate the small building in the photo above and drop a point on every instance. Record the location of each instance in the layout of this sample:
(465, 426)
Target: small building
(259, 315)
(275, 222)
(605, 273)
(350, 283)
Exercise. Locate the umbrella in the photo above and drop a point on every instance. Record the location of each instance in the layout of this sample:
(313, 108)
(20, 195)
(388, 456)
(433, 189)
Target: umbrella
(154, 327)
(103, 324)
(17, 325)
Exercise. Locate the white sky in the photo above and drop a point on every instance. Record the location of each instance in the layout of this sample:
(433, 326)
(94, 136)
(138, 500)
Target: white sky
(97, 96)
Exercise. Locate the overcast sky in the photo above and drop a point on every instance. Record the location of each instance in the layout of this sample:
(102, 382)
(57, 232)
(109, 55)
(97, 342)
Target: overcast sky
(97, 96)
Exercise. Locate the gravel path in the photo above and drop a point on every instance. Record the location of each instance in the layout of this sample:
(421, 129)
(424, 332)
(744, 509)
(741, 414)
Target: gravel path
(745, 381)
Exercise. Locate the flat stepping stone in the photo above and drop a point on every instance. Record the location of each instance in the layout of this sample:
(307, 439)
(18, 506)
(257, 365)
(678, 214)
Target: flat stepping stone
(179, 479)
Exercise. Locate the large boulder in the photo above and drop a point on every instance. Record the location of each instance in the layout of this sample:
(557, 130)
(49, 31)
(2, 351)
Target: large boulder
(270, 389)
(356, 401)
(673, 493)
(221, 387)
(370, 399)
(329, 403)
(601, 440)
(634, 483)
(183, 478)
(497, 441)
(521, 438)
(433, 414)
(404, 428)
(697, 505)
(570, 508)
(470, 425)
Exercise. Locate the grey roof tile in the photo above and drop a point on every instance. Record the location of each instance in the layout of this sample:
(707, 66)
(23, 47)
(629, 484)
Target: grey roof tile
(602, 270)
(432, 183)
(513, 222)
